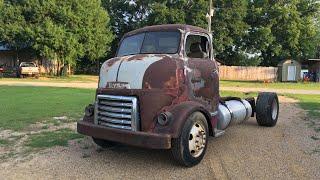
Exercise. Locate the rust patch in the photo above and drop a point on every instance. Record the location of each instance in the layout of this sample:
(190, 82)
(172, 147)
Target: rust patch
(161, 75)
(112, 61)
(141, 139)
(167, 27)
(147, 85)
(138, 57)
(171, 83)
(205, 85)
(214, 121)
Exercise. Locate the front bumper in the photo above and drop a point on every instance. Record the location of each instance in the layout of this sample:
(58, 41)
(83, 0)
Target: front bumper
(134, 138)
(30, 73)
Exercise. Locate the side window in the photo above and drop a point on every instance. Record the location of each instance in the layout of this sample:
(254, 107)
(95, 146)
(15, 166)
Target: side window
(197, 46)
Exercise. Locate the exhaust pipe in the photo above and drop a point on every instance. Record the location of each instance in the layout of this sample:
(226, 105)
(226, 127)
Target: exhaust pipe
(233, 111)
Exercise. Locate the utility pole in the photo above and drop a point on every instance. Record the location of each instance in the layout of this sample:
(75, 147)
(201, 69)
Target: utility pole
(210, 15)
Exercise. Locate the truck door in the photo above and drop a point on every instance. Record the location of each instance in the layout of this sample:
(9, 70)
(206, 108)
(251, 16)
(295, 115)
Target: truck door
(203, 70)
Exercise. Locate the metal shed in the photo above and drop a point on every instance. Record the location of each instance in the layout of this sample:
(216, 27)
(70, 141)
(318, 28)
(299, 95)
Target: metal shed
(314, 69)
(289, 71)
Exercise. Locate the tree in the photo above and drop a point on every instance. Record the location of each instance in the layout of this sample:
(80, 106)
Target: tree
(282, 29)
(228, 25)
(57, 29)
(125, 16)
(229, 32)
(13, 31)
(257, 32)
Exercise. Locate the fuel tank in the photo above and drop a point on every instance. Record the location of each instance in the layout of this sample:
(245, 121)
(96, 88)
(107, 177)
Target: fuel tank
(233, 112)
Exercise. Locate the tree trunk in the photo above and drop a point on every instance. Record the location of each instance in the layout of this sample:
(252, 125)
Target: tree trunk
(58, 68)
(17, 62)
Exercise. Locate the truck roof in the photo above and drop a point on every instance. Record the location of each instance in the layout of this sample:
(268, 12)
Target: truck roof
(167, 27)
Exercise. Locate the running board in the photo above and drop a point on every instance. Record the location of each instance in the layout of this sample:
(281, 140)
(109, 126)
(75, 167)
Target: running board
(218, 133)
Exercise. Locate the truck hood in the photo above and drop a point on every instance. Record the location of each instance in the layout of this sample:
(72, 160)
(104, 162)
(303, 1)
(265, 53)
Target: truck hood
(132, 69)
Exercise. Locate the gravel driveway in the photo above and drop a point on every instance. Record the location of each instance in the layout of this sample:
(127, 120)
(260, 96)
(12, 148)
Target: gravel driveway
(246, 151)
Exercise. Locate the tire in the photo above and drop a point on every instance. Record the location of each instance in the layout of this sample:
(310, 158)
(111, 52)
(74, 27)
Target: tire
(103, 143)
(267, 109)
(181, 151)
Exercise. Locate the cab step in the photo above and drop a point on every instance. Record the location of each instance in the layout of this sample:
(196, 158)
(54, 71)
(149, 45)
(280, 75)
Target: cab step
(218, 133)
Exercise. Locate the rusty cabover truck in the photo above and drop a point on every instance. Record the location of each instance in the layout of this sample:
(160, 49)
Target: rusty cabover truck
(161, 91)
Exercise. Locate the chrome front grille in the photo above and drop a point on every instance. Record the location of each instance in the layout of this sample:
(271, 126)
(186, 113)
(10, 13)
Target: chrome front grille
(119, 112)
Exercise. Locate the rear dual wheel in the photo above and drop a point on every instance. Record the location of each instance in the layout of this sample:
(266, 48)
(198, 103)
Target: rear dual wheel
(190, 147)
(267, 109)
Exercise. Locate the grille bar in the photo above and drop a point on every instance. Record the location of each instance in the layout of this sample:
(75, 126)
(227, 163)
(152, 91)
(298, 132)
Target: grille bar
(115, 109)
(115, 121)
(116, 104)
(114, 115)
(117, 112)
(115, 126)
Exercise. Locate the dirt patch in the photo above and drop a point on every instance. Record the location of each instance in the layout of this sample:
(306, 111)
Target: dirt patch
(15, 149)
(246, 151)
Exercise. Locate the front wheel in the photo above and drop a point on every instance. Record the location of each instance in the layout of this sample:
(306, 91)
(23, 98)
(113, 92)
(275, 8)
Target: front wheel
(190, 147)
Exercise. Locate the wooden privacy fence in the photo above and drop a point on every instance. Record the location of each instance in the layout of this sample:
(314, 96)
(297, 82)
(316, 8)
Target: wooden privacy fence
(249, 73)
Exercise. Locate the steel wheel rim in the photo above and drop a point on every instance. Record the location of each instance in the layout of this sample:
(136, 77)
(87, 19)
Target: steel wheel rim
(274, 109)
(197, 140)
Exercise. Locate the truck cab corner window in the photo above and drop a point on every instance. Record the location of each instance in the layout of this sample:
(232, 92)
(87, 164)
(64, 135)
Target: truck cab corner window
(198, 47)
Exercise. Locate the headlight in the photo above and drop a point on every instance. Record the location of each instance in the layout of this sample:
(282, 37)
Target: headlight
(89, 110)
(164, 118)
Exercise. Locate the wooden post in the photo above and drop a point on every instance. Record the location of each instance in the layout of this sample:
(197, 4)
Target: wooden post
(210, 15)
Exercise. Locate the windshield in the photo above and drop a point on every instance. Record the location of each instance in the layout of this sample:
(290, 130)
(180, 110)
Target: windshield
(150, 43)
(27, 65)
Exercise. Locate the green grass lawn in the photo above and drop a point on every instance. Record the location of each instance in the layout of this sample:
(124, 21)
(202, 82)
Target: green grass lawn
(22, 106)
(237, 94)
(53, 138)
(276, 85)
(72, 78)
(311, 103)
(3, 142)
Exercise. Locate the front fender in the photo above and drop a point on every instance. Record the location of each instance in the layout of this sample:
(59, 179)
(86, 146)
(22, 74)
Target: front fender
(180, 113)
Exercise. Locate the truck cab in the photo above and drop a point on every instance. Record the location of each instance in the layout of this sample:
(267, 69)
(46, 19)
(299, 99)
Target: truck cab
(161, 91)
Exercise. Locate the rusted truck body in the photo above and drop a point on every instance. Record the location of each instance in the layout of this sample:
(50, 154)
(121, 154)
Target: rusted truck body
(161, 91)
